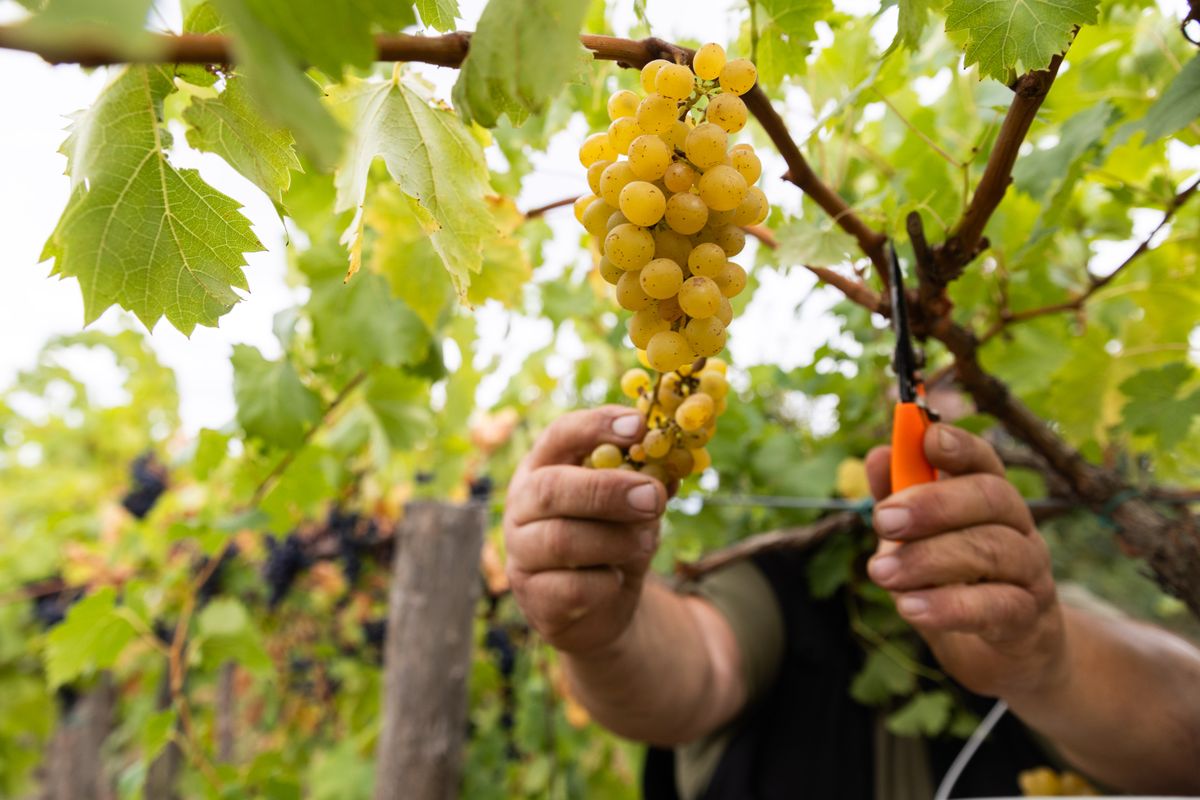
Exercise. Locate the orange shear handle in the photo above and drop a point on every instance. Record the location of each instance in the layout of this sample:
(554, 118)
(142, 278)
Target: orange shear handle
(909, 465)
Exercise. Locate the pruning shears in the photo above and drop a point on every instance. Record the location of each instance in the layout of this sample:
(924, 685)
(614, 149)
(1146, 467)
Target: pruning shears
(911, 417)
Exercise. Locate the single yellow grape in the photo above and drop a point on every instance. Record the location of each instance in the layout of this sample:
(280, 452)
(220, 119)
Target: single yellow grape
(677, 138)
(622, 132)
(644, 324)
(635, 382)
(609, 271)
(746, 162)
(679, 177)
(699, 297)
(657, 442)
(629, 247)
(738, 76)
(667, 350)
(614, 178)
(614, 219)
(656, 114)
(594, 172)
(581, 205)
(661, 278)
(649, 157)
(670, 392)
(637, 452)
(679, 463)
(753, 209)
(725, 312)
(669, 308)
(701, 460)
(722, 188)
(694, 412)
(622, 103)
(699, 437)
(641, 357)
(607, 456)
(674, 81)
(707, 259)
(716, 365)
(650, 73)
(728, 112)
(656, 471)
(642, 203)
(732, 279)
(706, 336)
(1040, 782)
(595, 217)
(686, 213)
(712, 383)
(672, 245)
(596, 148)
(730, 238)
(705, 145)
(629, 293)
(708, 61)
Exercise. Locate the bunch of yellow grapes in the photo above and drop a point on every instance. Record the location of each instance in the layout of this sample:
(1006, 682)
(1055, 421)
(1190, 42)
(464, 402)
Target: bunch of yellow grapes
(670, 201)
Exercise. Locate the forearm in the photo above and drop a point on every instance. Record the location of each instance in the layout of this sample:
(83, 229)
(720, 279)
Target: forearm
(1125, 708)
(672, 676)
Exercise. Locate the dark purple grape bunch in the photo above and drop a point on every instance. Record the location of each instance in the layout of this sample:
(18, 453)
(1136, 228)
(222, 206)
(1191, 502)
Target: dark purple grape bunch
(149, 482)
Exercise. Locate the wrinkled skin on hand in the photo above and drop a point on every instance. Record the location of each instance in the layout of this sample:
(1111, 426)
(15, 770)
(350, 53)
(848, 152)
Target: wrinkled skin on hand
(968, 569)
(580, 540)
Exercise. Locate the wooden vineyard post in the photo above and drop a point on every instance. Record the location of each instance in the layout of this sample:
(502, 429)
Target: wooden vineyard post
(427, 653)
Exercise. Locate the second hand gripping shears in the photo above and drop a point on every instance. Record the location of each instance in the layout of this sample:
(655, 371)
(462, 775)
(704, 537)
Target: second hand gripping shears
(911, 417)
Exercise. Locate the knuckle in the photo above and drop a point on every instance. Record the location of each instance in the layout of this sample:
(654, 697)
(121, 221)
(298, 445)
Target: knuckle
(547, 485)
(986, 550)
(555, 541)
(997, 494)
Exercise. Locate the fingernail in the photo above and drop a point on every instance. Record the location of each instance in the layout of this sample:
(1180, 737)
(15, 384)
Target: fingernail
(947, 440)
(912, 606)
(891, 521)
(883, 567)
(627, 425)
(643, 497)
(648, 540)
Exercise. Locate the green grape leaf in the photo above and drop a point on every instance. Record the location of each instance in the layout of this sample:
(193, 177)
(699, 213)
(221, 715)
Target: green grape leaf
(881, 677)
(400, 404)
(432, 156)
(405, 257)
(154, 734)
(272, 402)
(328, 36)
(1155, 404)
(927, 714)
(522, 54)
(360, 322)
(137, 232)
(786, 33)
(226, 633)
(506, 267)
(1040, 171)
(819, 243)
(1178, 105)
(278, 83)
(232, 127)
(911, 22)
(438, 14)
(211, 449)
(1022, 35)
(90, 638)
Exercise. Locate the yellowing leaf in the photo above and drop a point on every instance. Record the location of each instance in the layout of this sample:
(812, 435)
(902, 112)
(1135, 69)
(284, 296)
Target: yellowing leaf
(432, 157)
(1022, 35)
(137, 232)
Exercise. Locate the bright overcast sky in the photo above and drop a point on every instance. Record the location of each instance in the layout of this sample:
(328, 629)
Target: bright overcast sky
(37, 97)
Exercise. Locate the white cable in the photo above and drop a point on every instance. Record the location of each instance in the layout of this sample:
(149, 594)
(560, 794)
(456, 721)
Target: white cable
(968, 751)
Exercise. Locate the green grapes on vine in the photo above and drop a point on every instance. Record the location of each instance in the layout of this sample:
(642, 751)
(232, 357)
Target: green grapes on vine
(670, 198)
